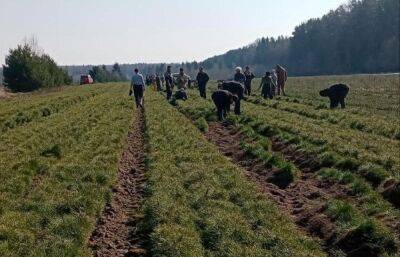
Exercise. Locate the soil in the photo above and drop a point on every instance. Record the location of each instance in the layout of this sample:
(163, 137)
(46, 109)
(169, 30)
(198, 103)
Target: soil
(117, 232)
(304, 200)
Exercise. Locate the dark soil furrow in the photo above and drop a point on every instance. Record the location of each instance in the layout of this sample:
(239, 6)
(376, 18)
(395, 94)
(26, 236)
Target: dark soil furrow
(304, 199)
(117, 232)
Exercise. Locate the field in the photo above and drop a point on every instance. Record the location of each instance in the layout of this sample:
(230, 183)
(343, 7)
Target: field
(85, 174)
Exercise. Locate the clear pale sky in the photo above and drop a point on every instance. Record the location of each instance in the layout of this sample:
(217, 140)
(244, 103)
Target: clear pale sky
(131, 31)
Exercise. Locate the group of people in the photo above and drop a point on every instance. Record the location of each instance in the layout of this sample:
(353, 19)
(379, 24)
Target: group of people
(228, 92)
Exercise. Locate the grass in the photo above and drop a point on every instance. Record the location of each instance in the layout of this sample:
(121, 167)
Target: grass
(57, 171)
(201, 204)
(344, 170)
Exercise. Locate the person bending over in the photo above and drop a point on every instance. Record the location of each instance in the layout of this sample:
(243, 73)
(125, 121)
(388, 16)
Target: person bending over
(235, 88)
(337, 94)
(223, 100)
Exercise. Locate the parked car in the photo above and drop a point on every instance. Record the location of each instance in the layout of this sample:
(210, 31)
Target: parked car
(86, 79)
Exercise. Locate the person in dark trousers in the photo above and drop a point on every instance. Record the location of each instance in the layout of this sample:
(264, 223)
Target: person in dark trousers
(169, 82)
(202, 79)
(223, 100)
(158, 83)
(138, 87)
(235, 88)
(281, 73)
(249, 77)
(337, 94)
(239, 76)
(267, 86)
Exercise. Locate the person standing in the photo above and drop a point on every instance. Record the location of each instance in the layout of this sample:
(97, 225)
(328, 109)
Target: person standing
(202, 79)
(282, 77)
(267, 85)
(275, 80)
(138, 87)
(239, 76)
(169, 82)
(181, 79)
(249, 77)
(158, 83)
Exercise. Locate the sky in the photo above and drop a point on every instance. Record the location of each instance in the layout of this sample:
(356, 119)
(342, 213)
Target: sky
(132, 31)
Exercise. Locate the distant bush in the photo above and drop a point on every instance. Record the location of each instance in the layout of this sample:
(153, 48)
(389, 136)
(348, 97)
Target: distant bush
(27, 70)
(100, 74)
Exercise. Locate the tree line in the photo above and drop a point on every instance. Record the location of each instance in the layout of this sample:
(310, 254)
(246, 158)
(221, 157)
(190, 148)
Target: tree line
(358, 37)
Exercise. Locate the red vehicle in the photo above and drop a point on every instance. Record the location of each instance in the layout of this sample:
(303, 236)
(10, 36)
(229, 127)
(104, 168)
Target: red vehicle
(86, 79)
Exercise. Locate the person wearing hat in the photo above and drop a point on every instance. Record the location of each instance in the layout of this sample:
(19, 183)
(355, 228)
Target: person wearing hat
(239, 76)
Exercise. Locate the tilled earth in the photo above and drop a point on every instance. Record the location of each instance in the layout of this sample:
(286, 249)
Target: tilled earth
(117, 232)
(304, 200)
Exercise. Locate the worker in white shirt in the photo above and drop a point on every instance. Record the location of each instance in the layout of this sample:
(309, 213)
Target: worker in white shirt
(138, 87)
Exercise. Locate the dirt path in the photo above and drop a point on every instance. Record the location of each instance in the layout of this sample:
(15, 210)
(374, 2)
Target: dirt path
(304, 200)
(116, 233)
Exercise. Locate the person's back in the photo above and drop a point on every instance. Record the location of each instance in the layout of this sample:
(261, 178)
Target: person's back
(234, 87)
(222, 100)
(138, 87)
(137, 79)
(237, 89)
(202, 79)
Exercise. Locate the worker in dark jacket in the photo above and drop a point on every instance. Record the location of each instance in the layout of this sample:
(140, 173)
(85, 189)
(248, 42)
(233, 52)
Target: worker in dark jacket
(239, 76)
(223, 100)
(336, 93)
(158, 83)
(235, 88)
(202, 79)
(249, 77)
(169, 82)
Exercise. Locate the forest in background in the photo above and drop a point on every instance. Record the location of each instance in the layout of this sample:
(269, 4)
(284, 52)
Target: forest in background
(361, 36)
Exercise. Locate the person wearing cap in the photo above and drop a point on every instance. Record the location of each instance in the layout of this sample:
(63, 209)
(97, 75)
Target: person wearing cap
(239, 76)
(249, 77)
(202, 79)
(137, 87)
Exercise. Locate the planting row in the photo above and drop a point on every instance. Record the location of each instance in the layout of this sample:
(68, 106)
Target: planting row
(200, 204)
(57, 173)
(373, 124)
(356, 200)
(16, 113)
